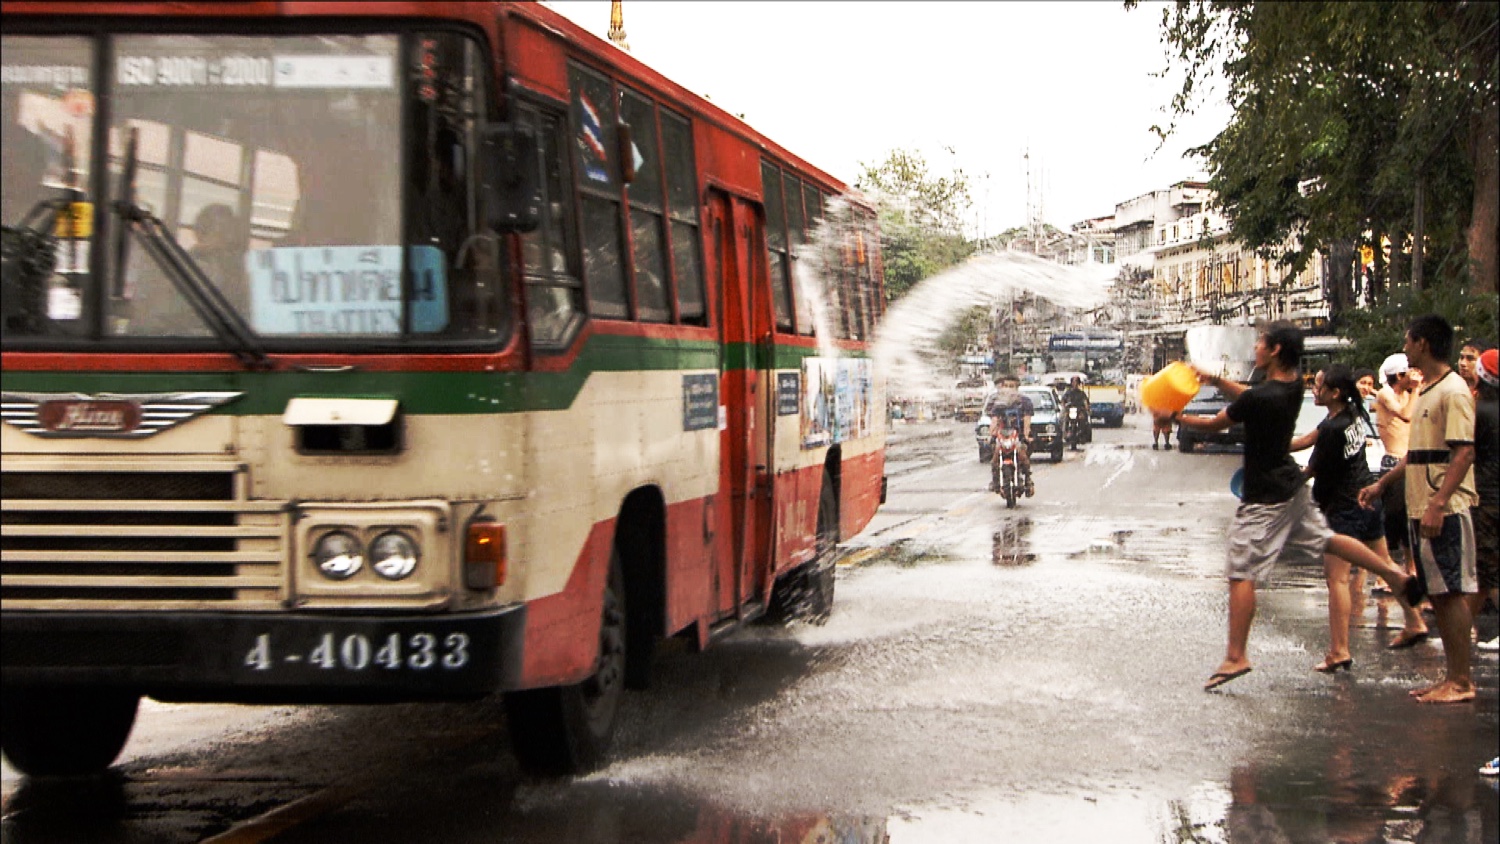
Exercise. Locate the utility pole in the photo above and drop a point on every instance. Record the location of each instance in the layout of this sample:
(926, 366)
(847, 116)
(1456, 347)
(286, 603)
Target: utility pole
(617, 25)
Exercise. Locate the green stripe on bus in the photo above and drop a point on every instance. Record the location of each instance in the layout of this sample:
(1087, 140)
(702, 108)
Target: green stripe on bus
(267, 393)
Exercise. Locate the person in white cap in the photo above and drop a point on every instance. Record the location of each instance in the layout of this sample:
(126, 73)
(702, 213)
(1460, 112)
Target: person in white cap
(1393, 403)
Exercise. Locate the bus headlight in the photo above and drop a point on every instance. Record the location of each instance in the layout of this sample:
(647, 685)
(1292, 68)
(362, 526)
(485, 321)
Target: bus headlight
(393, 555)
(338, 555)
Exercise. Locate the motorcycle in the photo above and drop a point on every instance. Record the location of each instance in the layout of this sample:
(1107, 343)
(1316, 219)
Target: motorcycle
(1078, 427)
(1005, 478)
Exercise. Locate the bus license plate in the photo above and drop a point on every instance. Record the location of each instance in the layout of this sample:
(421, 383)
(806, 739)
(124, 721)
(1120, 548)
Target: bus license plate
(346, 652)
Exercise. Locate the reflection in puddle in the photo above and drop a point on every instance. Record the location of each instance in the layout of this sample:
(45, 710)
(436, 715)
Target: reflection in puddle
(601, 811)
(1011, 545)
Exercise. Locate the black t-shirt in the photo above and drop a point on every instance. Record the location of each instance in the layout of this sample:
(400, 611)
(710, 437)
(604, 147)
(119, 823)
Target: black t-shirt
(1339, 466)
(1269, 413)
(1487, 450)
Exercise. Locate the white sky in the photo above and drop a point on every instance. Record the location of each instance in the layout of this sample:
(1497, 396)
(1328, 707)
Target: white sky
(843, 83)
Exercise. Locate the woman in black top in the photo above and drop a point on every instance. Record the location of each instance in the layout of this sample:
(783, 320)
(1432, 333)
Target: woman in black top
(1339, 470)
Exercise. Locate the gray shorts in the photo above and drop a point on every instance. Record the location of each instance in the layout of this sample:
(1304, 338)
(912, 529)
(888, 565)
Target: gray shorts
(1446, 562)
(1264, 534)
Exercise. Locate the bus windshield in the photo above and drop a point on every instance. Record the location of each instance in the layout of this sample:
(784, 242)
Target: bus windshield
(279, 163)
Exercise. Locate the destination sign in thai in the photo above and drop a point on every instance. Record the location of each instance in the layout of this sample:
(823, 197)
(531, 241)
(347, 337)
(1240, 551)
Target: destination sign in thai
(60, 76)
(246, 71)
(322, 290)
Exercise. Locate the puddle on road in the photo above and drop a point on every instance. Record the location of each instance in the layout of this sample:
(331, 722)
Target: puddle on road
(1011, 545)
(1250, 809)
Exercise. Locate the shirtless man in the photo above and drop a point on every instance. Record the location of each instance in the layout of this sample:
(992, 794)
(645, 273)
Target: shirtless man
(1393, 404)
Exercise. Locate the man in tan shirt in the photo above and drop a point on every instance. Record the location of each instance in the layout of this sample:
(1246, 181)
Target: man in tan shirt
(1439, 495)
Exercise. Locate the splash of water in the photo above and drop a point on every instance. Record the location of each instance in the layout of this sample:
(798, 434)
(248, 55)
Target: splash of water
(816, 269)
(906, 342)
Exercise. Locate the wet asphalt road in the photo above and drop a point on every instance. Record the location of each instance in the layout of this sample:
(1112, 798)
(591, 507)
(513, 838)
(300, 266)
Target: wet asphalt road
(988, 675)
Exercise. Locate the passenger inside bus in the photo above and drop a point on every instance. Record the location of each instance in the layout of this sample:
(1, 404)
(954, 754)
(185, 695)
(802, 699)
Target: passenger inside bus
(220, 252)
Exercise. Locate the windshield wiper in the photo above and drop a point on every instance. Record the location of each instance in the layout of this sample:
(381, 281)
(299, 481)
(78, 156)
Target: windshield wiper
(184, 272)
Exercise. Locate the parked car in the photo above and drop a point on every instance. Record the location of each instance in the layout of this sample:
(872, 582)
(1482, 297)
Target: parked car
(1046, 425)
(1208, 402)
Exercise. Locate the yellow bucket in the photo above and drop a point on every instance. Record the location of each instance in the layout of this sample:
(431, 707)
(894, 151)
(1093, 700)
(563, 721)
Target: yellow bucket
(1171, 389)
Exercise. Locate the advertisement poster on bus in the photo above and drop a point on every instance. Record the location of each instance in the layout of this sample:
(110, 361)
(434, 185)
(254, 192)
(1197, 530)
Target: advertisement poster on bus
(836, 400)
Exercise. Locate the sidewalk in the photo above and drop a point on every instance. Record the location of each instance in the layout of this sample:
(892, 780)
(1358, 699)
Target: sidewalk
(901, 431)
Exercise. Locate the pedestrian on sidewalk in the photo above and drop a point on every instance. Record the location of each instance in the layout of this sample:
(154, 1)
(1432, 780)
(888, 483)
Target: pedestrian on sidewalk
(1276, 519)
(1438, 468)
(1486, 514)
(1339, 470)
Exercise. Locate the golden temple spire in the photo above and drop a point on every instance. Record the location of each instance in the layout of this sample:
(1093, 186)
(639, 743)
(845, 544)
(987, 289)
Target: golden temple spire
(617, 25)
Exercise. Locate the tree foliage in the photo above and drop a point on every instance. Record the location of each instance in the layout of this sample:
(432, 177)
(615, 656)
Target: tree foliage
(1344, 114)
(973, 324)
(921, 218)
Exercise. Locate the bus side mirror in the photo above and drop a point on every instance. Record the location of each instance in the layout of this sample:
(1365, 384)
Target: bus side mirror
(511, 178)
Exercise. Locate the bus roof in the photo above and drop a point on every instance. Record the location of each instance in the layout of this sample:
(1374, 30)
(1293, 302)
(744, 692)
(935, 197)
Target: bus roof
(482, 14)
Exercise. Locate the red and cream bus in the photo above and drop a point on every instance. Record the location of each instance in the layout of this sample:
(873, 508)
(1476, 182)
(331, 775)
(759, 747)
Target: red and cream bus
(399, 352)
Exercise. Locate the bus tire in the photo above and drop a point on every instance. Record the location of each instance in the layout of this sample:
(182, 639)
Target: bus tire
(568, 729)
(65, 732)
(806, 593)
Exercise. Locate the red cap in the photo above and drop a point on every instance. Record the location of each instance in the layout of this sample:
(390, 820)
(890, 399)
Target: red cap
(1489, 368)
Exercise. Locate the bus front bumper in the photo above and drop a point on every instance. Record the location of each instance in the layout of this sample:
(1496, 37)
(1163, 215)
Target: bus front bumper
(266, 658)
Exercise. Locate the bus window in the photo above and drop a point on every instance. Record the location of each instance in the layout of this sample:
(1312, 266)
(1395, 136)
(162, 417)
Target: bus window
(813, 201)
(777, 264)
(795, 222)
(275, 169)
(599, 189)
(646, 212)
(682, 202)
(447, 115)
(46, 131)
(554, 296)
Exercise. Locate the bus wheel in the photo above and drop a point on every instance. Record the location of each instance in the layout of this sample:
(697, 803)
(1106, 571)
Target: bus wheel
(65, 732)
(807, 591)
(568, 729)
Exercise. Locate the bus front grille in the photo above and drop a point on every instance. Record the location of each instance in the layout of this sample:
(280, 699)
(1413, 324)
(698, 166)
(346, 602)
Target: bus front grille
(138, 539)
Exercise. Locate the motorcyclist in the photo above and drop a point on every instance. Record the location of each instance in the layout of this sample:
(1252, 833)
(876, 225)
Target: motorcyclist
(1010, 409)
(1076, 397)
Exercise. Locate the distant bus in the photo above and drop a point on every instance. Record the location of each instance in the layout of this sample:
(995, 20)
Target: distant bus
(1319, 351)
(409, 351)
(1097, 353)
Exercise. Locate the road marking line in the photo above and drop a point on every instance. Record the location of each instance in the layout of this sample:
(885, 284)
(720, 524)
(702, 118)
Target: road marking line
(276, 821)
(858, 557)
(268, 825)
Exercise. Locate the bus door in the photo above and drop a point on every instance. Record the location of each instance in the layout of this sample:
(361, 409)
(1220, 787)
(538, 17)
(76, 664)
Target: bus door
(744, 519)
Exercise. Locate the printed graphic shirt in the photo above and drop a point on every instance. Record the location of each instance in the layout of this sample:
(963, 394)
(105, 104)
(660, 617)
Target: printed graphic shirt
(1442, 417)
(1339, 466)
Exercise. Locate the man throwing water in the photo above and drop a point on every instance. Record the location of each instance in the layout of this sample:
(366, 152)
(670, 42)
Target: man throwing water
(1009, 409)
